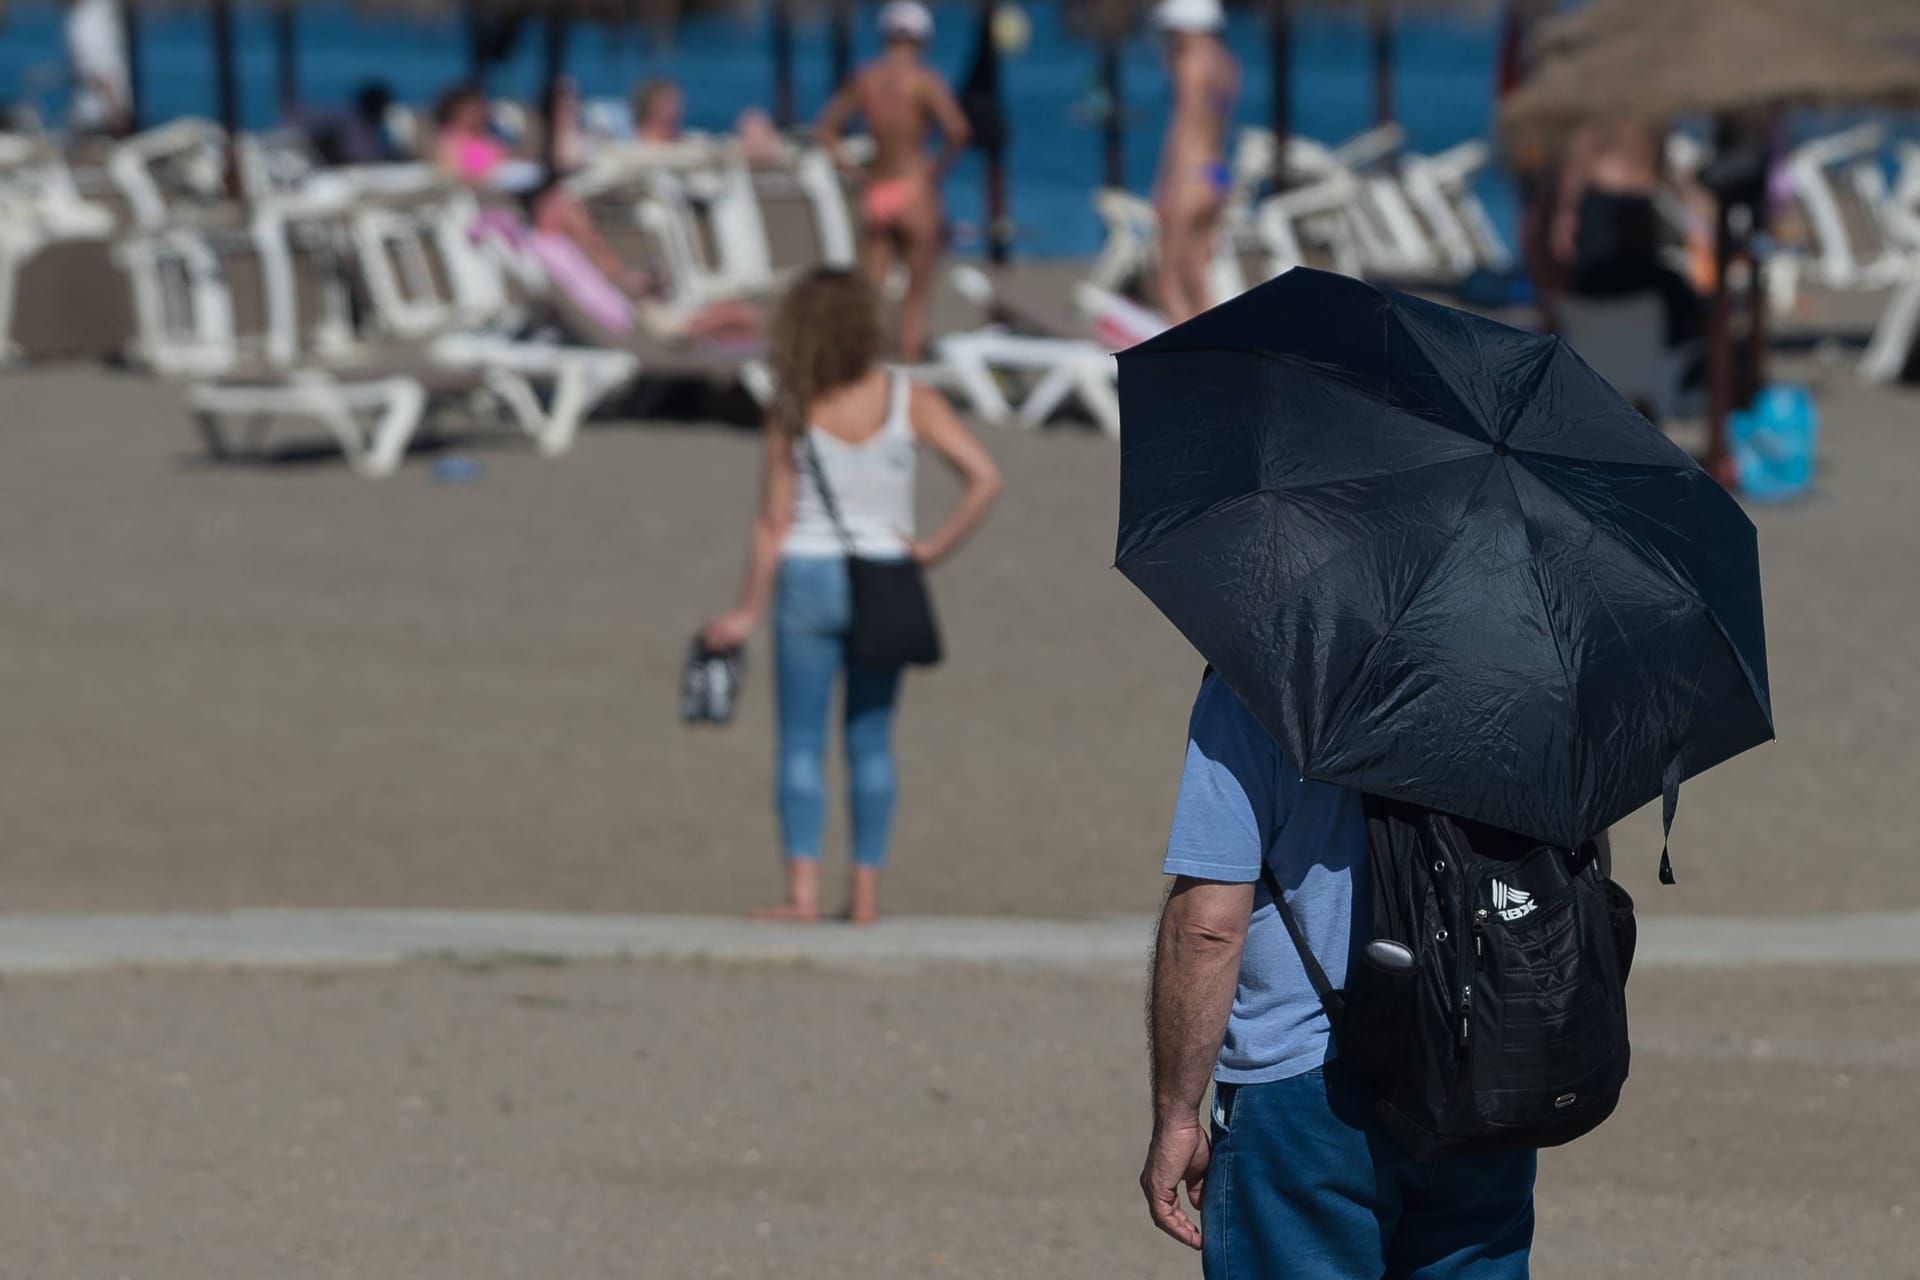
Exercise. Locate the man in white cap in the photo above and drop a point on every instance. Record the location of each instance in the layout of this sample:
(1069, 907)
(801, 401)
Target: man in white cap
(97, 52)
(1194, 176)
(901, 99)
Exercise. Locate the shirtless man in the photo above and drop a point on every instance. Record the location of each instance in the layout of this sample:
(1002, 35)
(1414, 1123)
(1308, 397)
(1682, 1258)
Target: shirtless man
(1194, 175)
(901, 99)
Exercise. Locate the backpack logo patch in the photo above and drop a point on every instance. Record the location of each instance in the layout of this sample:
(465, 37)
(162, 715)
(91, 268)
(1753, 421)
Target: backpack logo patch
(1510, 903)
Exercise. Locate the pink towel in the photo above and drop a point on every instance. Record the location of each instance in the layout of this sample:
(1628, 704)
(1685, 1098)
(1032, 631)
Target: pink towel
(585, 285)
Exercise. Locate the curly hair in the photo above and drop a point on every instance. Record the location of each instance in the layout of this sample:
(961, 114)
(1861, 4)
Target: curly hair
(826, 334)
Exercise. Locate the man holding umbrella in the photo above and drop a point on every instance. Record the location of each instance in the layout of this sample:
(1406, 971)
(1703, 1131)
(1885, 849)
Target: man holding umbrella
(1313, 1189)
(1437, 566)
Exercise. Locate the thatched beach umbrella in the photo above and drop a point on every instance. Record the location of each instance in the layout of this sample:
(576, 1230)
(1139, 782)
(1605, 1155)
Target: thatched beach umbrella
(1734, 61)
(1656, 59)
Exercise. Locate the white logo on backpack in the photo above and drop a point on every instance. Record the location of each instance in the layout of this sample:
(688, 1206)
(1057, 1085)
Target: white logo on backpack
(1510, 903)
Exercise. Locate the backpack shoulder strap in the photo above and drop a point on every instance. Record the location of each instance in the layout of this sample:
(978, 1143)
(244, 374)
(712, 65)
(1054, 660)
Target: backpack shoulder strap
(1330, 999)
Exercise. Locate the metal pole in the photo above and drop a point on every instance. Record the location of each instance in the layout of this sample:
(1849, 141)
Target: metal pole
(130, 32)
(286, 54)
(840, 38)
(1280, 64)
(1720, 349)
(476, 45)
(1381, 23)
(782, 65)
(994, 144)
(226, 87)
(1113, 124)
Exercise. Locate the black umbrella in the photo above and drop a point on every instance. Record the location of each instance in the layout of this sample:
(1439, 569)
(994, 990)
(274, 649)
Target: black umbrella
(1440, 558)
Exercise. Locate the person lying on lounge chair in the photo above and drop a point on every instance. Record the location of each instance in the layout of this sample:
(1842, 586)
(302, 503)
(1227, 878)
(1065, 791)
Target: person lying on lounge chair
(465, 149)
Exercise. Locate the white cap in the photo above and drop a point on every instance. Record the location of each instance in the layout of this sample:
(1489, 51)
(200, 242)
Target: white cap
(1204, 16)
(906, 20)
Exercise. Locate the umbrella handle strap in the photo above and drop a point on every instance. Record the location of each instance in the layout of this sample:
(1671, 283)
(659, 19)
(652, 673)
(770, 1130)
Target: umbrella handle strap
(1669, 801)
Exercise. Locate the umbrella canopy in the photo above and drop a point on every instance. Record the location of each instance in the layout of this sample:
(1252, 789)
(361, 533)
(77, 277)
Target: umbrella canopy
(1651, 60)
(1440, 558)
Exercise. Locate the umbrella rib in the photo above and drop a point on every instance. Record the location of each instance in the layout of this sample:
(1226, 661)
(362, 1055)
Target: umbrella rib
(1293, 362)
(1453, 536)
(1511, 418)
(1586, 567)
(1274, 491)
(1546, 611)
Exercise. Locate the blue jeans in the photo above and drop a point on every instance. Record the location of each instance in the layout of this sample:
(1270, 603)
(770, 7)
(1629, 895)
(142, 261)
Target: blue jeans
(1304, 1185)
(812, 615)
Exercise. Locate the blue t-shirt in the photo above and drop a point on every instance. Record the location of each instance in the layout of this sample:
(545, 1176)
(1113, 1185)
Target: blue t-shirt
(1241, 802)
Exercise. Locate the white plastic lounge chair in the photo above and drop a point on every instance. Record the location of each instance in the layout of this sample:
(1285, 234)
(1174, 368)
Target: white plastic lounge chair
(187, 331)
(648, 333)
(372, 400)
(164, 173)
(1441, 189)
(40, 208)
(430, 284)
(979, 365)
(1829, 176)
(1311, 223)
(1898, 331)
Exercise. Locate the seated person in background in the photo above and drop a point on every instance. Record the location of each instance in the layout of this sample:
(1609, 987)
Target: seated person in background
(659, 112)
(358, 135)
(1606, 227)
(660, 118)
(760, 140)
(466, 150)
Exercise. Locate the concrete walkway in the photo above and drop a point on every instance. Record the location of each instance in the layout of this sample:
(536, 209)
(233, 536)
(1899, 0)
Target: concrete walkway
(327, 939)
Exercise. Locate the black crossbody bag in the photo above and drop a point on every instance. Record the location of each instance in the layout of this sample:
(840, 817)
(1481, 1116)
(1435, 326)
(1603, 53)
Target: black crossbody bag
(893, 622)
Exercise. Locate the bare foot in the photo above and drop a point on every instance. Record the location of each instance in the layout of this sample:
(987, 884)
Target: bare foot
(787, 912)
(802, 903)
(863, 897)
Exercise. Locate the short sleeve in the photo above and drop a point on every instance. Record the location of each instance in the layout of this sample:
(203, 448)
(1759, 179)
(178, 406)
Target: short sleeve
(1223, 820)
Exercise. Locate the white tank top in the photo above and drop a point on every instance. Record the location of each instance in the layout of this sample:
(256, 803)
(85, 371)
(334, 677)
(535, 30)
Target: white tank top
(872, 484)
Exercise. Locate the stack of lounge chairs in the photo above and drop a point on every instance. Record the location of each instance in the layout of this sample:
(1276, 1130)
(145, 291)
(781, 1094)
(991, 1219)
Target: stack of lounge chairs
(1367, 208)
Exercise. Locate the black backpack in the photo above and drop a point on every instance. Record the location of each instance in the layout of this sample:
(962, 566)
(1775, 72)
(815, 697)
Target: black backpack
(1499, 1021)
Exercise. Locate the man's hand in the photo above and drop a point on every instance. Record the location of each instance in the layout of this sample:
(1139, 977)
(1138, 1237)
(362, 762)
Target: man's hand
(1177, 1154)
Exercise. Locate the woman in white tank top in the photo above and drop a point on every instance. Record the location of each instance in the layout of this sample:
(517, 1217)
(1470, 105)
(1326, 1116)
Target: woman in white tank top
(860, 426)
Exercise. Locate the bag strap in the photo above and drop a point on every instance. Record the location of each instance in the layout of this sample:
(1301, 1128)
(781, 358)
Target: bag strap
(1330, 999)
(827, 499)
(1669, 801)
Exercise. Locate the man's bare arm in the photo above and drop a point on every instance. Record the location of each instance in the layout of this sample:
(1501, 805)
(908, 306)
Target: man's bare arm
(1196, 967)
(955, 132)
(832, 124)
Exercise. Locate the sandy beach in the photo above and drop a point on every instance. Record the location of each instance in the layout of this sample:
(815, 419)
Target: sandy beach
(283, 686)
(665, 1121)
(286, 686)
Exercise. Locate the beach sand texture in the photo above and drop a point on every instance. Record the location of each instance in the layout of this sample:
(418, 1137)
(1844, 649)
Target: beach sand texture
(593, 1122)
(242, 685)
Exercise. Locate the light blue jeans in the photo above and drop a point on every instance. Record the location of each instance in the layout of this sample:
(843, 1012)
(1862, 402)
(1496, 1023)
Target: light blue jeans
(812, 616)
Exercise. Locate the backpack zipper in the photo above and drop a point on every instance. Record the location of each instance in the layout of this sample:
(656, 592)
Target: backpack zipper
(1468, 967)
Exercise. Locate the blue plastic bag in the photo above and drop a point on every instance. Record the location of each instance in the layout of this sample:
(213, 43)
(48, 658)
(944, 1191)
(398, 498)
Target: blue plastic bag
(1773, 443)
